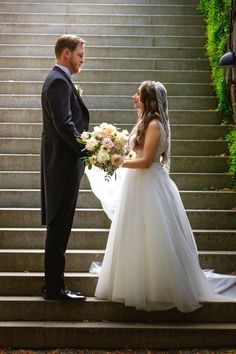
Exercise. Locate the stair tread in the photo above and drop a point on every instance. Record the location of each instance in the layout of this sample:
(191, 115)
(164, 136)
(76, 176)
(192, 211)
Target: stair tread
(62, 324)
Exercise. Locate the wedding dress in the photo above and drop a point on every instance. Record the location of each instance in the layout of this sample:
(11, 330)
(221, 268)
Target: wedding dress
(151, 259)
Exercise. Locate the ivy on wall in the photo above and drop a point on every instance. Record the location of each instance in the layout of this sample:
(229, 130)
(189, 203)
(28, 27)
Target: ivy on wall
(231, 138)
(216, 13)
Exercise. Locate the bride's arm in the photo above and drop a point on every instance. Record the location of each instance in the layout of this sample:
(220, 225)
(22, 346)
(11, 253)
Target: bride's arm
(152, 140)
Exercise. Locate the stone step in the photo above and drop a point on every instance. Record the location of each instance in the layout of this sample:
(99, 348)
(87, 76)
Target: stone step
(108, 9)
(156, 2)
(96, 218)
(107, 40)
(54, 28)
(178, 147)
(197, 164)
(187, 117)
(192, 199)
(110, 63)
(28, 308)
(108, 88)
(109, 51)
(34, 238)
(179, 76)
(105, 101)
(126, 19)
(115, 335)
(15, 260)
(184, 181)
(178, 131)
(30, 284)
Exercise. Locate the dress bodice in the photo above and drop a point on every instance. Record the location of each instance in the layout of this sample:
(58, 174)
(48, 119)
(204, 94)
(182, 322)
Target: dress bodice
(162, 147)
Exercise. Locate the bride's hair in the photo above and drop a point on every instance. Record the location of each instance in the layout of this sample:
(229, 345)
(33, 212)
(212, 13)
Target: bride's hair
(146, 113)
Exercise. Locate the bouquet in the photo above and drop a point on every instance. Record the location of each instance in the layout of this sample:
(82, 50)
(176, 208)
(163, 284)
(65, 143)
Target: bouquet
(106, 148)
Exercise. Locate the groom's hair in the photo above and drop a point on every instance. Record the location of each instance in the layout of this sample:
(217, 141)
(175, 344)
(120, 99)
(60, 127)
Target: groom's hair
(69, 41)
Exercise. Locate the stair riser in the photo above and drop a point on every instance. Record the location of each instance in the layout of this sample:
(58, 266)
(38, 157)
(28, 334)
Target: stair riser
(34, 115)
(80, 262)
(35, 239)
(24, 180)
(114, 88)
(191, 200)
(106, 63)
(110, 75)
(178, 147)
(102, 29)
(115, 338)
(102, 40)
(109, 102)
(194, 132)
(26, 310)
(199, 219)
(167, 19)
(178, 163)
(110, 51)
(155, 2)
(73, 9)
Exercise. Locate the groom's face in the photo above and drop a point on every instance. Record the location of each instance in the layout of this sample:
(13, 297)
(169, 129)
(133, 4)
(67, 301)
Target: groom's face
(76, 59)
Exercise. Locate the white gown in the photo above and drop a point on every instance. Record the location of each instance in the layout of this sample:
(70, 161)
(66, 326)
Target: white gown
(151, 259)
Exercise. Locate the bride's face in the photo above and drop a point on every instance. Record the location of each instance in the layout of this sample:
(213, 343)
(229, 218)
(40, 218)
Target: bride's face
(136, 99)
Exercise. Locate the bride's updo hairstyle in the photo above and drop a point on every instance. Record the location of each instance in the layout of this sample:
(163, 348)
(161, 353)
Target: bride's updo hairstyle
(150, 110)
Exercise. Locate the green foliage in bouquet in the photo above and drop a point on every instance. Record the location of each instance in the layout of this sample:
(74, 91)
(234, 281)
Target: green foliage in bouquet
(231, 138)
(217, 16)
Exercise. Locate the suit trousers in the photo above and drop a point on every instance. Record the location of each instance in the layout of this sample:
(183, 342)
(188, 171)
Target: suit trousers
(58, 232)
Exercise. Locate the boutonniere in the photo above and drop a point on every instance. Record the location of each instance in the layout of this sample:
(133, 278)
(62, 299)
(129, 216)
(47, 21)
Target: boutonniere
(79, 89)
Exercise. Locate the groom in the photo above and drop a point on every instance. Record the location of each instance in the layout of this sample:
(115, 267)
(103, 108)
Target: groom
(65, 116)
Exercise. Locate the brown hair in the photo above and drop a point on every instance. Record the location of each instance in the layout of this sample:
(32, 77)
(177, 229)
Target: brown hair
(69, 41)
(148, 111)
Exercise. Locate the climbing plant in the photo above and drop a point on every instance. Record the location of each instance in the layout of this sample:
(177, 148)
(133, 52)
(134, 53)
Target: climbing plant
(231, 138)
(216, 14)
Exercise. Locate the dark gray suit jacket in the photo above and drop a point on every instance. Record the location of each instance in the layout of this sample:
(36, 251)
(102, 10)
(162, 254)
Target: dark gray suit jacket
(65, 117)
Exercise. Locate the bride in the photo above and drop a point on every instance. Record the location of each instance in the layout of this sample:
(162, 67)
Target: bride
(151, 259)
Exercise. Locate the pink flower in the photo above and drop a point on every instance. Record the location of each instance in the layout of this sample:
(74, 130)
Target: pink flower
(108, 142)
(117, 160)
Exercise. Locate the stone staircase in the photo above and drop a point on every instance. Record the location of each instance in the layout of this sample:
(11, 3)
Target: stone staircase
(128, 41)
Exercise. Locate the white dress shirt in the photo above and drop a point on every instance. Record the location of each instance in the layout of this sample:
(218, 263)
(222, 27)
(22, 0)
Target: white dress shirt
(66, 70)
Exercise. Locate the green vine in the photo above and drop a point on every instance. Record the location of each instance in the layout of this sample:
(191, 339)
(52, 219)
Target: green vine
(216, 13)
(231, 138)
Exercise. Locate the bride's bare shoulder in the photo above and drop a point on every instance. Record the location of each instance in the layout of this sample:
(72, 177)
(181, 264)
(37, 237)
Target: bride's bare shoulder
(154, 124)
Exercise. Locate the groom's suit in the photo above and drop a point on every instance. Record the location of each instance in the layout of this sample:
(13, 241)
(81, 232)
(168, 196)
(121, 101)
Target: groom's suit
(65, 116)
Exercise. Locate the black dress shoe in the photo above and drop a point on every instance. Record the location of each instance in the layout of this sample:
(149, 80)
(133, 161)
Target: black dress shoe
(63, 294)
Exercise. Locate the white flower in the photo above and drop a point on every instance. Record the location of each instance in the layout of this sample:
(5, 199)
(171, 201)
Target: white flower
(104, 148)
(84, 136)
(93, 159)
(91, 143)
(103, 157)
(132, 155)
(107, 126)
(122, 138)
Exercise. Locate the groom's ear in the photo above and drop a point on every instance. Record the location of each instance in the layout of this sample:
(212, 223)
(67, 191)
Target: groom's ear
(66, 53)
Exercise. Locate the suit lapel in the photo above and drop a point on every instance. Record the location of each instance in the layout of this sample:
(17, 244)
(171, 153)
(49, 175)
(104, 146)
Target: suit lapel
(56, 68)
